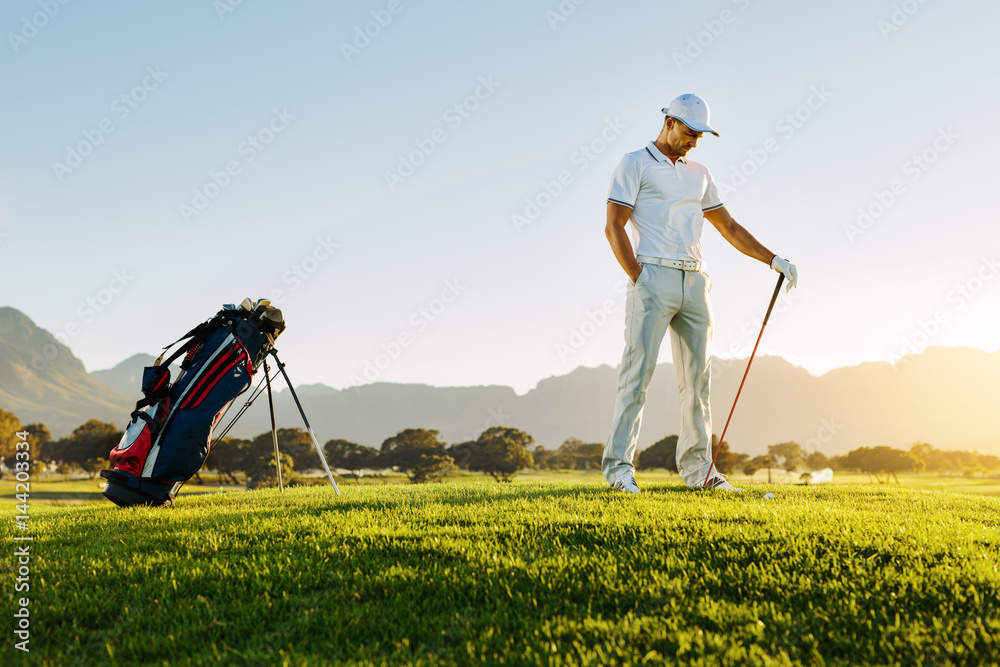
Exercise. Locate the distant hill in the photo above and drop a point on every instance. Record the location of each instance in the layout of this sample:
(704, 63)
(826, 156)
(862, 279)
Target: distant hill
(41, 380)
(944, 396)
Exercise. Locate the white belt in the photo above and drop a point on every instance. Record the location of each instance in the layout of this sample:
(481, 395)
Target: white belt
(682, 264)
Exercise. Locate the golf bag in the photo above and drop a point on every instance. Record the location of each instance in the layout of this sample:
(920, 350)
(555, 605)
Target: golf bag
(170, 433)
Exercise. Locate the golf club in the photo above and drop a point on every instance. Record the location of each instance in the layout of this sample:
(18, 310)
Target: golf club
(774, 297)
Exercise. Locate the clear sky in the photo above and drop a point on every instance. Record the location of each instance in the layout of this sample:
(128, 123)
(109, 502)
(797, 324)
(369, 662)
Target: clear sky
(160, 159)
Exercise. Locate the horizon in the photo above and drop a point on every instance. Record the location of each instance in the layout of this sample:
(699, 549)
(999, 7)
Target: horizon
(603, 365)
(857, 406)
(519, 392)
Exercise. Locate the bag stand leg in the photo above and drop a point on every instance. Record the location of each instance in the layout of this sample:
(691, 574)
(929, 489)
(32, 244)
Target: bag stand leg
(319, 450)
(274, 430)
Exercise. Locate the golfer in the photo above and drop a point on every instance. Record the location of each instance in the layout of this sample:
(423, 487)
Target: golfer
(667, 198)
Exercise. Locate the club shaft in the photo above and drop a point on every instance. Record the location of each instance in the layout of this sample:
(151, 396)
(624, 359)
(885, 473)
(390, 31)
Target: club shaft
(770, 306)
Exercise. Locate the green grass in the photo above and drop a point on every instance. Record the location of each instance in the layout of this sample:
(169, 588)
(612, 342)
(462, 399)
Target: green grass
(528, 573)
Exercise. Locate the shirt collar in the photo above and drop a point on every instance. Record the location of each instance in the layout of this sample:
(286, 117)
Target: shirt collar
(655, 153)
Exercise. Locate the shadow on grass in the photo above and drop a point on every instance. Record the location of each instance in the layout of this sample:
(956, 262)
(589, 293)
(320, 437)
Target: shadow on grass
(61, 495)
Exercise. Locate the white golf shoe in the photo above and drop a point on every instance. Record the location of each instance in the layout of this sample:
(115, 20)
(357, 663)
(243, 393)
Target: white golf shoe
(720, 481)
(626, 483)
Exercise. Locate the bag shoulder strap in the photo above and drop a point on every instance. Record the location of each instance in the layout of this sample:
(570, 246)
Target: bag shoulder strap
(194, 337)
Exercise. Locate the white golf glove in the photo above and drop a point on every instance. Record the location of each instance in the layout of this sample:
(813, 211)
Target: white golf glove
(787, 268)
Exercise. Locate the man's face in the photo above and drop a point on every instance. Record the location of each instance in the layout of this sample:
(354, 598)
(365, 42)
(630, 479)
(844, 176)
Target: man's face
(680, 137)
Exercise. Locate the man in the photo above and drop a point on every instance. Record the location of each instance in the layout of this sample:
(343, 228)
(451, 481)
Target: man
(667, 198)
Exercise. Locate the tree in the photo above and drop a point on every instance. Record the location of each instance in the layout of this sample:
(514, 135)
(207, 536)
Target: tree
(566, 454)
(295, 442)
(461, 453)
(881, 462)
(545, 459)
(934, 460)
(726, 461)
(662, 454)
(39, 436)
(92, 440)
(964, 463)
(502, 452)
(517, 435)
(228, 456)
(757, 463)
(574, 454)
(264, 473)
(418, 453)
(350, 456)
(589, 456)
(10, 426)
(94, 466)
(786, 455)
(12, 433)
(817, 461)
(989, 462)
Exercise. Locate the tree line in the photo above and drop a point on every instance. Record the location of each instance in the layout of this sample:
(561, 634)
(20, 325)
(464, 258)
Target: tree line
(498, 451)
(881, 462)
(418, 453)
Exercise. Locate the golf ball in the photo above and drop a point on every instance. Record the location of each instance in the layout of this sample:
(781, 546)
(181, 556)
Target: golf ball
(768, 496)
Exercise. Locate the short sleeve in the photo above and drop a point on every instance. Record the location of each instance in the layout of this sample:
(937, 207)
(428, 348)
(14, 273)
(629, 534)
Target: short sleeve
(625, 182)
(711, 199)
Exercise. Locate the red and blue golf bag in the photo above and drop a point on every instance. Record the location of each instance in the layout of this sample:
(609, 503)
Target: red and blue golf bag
(170, 433)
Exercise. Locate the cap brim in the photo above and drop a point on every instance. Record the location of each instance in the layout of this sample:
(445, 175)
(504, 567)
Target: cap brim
(693, 126)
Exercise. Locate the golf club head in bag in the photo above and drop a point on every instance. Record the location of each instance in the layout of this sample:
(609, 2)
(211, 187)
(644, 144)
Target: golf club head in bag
(170, 433)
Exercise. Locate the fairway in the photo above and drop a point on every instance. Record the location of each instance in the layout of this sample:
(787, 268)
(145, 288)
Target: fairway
(543, 573)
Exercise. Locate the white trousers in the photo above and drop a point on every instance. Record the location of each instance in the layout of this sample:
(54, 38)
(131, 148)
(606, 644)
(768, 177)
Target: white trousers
(665, 298)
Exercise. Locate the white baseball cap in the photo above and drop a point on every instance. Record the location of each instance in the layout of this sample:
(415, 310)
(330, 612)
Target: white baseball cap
(692, 111)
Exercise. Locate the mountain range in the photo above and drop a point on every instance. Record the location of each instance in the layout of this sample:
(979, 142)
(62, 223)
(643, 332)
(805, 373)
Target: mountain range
(944, 396)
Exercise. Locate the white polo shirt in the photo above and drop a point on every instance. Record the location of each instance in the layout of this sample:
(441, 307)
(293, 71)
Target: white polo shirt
(667, 201)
